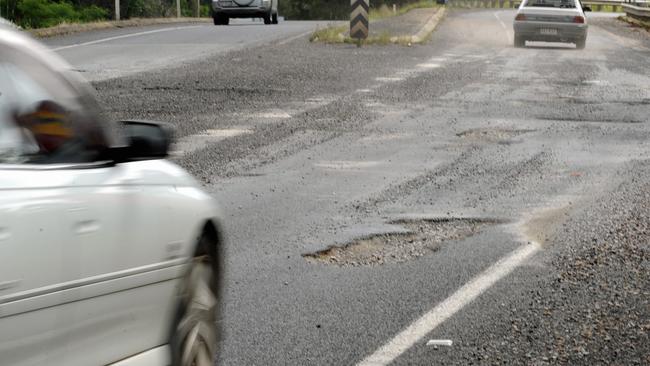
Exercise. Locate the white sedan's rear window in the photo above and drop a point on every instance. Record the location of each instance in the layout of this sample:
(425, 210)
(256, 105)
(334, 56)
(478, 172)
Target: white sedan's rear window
(551, 3)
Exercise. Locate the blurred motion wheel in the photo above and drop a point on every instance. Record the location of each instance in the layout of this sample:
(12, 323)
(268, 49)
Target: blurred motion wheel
(519, 41)
(274, 18)
(267, 18)
(581, 43)
(195, 337)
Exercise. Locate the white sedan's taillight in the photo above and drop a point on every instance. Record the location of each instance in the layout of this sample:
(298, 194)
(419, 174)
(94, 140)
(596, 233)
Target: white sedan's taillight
(520, 17)
(579, 19)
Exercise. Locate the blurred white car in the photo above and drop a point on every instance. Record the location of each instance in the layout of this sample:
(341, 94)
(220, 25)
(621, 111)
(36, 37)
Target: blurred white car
(551, 21)
(109, 254)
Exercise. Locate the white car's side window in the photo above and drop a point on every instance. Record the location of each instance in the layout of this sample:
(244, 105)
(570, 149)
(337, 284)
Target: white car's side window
(16, 143)
(41, 119)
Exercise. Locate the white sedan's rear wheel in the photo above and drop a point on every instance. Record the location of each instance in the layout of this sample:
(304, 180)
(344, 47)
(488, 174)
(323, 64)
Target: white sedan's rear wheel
(519, 41)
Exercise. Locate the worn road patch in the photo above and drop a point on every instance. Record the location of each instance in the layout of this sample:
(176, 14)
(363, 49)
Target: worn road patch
(424, 237)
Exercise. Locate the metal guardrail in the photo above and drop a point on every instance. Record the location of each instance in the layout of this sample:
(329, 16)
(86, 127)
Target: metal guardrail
(640, 11)
(637, 9)
(596, 5)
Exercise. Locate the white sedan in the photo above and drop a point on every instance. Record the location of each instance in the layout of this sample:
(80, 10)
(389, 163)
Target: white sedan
(551, 21)
(109, 254)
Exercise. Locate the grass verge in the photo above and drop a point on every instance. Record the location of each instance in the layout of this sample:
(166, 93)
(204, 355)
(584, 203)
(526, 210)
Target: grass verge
(329, 34)
(335, 34)
(70, 28)
(636, 22)
(385, 12)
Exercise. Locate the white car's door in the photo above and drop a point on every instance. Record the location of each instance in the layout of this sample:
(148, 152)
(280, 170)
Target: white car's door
(32, 267)
(128, 254)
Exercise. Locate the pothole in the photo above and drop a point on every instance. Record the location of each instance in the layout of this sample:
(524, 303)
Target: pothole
(424, 237)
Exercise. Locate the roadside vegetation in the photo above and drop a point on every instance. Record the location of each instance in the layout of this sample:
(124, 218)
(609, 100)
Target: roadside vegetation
(32, 14)
(384, 11)
(336, 33)
(338, 9)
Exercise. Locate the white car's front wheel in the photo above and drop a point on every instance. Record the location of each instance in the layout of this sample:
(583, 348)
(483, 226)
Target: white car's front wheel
(196, 333)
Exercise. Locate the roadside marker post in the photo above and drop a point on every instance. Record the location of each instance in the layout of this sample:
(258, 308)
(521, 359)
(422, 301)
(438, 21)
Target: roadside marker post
(359, 20)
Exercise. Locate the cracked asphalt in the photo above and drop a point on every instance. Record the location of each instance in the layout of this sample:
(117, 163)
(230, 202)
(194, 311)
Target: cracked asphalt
(308, 146)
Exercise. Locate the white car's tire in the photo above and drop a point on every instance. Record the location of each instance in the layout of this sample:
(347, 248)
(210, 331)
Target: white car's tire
(519, 41)
(196, 333)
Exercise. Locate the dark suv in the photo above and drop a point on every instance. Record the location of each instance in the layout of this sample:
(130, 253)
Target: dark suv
(223, 10)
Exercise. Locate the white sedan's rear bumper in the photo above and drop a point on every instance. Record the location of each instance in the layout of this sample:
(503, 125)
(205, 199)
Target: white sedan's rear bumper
(550, 31)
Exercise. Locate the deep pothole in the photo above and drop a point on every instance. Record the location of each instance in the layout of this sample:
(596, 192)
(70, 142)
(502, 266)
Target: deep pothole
(423, 238)
(499, 135)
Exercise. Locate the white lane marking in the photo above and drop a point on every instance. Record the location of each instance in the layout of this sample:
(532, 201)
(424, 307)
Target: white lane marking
(595, 82)
(103, 40)
(496, 15)
(346, 165)
(293, 38)
(440, 342)
(364, 91)
(272, 114)
(224, 133)
(196, 142)
(443, 311)
(389, 79)
(429, 66)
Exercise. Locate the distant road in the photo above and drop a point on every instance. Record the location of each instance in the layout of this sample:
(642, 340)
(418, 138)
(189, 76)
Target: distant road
(106, 54)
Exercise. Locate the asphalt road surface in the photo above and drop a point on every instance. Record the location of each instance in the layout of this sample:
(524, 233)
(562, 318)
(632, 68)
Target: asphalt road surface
(118, 52)
(522, 174)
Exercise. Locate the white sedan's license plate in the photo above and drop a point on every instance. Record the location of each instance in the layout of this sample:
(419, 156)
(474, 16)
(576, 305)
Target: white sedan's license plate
(548, 31)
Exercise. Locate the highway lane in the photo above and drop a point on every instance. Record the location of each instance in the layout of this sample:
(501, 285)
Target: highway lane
(106, 54)
(309, 146)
